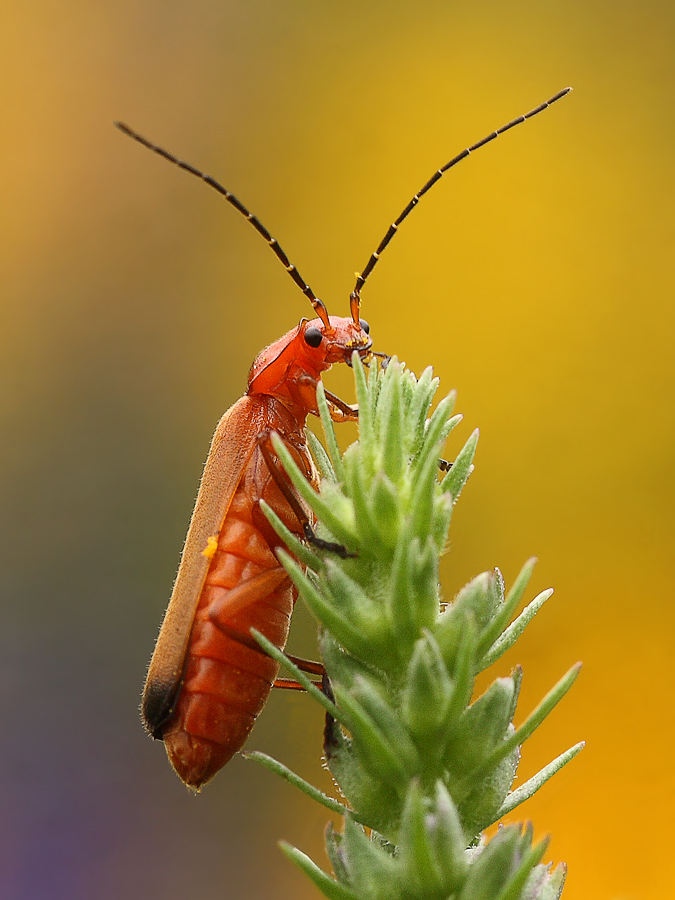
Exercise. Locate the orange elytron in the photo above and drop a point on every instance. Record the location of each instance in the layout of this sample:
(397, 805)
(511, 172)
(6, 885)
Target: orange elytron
(208, 679)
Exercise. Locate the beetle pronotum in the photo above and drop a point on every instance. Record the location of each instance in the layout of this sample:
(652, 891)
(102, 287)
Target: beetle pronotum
(208, 679)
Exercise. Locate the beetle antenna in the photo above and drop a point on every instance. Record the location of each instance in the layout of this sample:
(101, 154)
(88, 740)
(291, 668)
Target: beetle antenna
(318, 305)
(393, 228)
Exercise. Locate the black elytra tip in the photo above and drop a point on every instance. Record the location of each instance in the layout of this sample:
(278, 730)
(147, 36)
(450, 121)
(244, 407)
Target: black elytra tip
(157, 705)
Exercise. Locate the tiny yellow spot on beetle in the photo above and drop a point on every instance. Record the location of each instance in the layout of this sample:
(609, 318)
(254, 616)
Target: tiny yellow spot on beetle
(211, 546)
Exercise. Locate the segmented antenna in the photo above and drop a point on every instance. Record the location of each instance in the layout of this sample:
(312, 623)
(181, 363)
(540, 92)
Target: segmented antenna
(361, 279)
(318, 305)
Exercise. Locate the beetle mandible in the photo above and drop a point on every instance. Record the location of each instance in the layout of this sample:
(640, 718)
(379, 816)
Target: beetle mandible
(208, 679)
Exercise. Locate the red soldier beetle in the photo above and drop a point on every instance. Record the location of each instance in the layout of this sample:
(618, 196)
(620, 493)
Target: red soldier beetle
(208, 679)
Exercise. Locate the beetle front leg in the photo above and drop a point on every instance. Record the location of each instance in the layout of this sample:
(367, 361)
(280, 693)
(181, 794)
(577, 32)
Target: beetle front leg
(339, 410)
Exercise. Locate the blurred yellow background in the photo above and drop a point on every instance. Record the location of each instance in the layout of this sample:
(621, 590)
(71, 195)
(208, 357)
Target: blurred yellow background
(537, 278)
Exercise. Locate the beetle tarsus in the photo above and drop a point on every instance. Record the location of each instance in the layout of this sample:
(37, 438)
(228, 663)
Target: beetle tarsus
(329, 546)
(384, 358)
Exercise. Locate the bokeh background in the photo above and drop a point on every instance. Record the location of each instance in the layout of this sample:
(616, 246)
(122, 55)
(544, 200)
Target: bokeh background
(537, 279)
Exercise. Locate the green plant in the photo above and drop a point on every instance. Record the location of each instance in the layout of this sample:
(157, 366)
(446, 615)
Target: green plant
(424, 770)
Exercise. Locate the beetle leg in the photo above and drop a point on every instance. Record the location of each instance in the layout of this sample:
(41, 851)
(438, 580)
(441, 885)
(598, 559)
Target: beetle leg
(339, 410)
(305, 665)
(331, 729)
(384, 358)
(330, 546)
(289, 684)
(444, 465)
(286, 488)
(313, 668)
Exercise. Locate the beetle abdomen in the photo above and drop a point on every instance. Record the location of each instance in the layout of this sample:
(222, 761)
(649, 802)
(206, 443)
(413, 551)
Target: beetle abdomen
(226, 678)
(226, 685)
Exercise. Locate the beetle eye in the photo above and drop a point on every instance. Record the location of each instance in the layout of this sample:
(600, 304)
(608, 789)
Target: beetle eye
(364, 326)
(313, 336)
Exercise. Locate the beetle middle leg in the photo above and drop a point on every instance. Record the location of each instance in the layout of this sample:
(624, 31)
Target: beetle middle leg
(286, 488)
